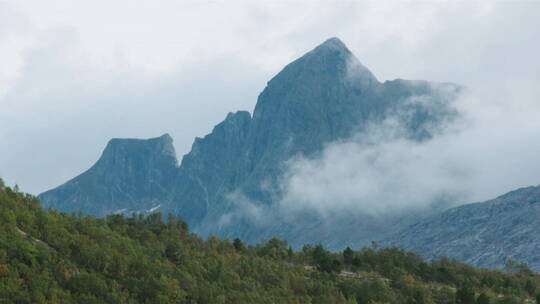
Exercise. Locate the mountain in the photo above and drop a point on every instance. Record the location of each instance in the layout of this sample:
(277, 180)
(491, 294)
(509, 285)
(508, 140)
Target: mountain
(483, 234)
(229, 184)
(131, 175)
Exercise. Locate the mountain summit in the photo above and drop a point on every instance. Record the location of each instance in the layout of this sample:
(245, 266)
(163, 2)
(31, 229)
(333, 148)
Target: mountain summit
(328, 64)
(336, 54)
(229, 184)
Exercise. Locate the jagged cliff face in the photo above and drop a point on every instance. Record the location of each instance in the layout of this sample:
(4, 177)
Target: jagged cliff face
(208, 172)
(131, 175)
(482, 234)
(325, 96)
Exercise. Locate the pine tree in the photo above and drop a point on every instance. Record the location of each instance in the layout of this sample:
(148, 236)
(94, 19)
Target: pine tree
(324, 261)
(238, 244)
(530, 287)
(483, 299)
(348, 255)
(290, 252)
(465, 295)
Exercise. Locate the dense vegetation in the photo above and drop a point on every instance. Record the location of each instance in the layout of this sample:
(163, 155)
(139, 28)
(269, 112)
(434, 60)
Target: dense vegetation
(52, 257)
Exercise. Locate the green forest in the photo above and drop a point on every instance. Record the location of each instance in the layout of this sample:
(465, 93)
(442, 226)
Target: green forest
(53, 257)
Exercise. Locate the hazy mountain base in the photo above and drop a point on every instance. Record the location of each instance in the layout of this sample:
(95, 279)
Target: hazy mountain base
(50, 257)
(484, 234)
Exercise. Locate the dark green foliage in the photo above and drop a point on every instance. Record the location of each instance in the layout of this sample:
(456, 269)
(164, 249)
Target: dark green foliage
(51, 257)
(465, 295)
(348, 255)
(290, 252)
(538, 298)
(483, 299)
(238, 244)
(324, 261)
(530, 287)
(274, 248)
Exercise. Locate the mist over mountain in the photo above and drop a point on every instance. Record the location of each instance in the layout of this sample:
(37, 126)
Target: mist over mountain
(236, 181)
(240, 152)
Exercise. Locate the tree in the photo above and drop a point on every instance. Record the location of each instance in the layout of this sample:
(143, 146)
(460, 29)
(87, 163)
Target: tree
(538, 298)
(530, 287)
(324, 261)
(173, 251)
(238, 244)
(290, 252)
(465, 295)
(513, 267)
(483, 299)
(348, 255)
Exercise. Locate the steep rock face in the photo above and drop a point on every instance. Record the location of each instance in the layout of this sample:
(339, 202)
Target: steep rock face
(483, 234)
(229, 183)
(208, 171)
(325, 96)
(131, 175)
(328, 95)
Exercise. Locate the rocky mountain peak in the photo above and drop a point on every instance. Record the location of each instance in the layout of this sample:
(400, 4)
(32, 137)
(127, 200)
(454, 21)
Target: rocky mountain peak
(118, 150)
(331, 47)
(238, 117)
(327, 74)
(333, 56)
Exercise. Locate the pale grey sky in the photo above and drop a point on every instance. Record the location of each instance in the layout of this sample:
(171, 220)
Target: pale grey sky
(76, 73)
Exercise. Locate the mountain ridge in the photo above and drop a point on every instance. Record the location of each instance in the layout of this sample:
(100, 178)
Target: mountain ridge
(141, 171)
(485, 234)
(324, 96)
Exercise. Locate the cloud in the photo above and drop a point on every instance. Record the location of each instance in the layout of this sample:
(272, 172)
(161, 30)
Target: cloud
(243, 208)
(70, 81)
(66, 103)
(494, 148)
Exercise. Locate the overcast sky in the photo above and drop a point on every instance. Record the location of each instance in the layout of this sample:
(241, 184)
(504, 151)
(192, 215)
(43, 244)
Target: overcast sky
(74, 74)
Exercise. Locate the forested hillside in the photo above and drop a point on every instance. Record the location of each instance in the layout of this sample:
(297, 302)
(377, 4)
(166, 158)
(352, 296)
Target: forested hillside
(51, 257)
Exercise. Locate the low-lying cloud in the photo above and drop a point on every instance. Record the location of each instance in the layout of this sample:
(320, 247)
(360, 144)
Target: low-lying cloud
(493, 148)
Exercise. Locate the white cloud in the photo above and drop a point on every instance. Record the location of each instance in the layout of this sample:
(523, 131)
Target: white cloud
(75, 74)
(494, 148)
(243, 208)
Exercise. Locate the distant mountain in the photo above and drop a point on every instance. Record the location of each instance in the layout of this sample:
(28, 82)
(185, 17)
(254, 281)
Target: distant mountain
(482, 234)
(229, 184)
